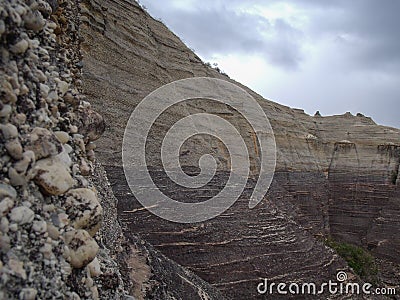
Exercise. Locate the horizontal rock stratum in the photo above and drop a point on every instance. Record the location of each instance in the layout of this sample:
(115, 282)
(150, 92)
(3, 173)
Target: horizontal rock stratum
(336, 176)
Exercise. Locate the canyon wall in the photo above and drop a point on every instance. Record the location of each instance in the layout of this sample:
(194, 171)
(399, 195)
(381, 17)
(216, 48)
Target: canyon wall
(335, 175)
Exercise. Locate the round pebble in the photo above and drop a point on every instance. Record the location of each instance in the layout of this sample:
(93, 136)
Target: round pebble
(7, 191)
(5, 111)
(20, 47)
(86, 206)
(5, 206)
(53, 177)
(82, 248)
(9, 131)
(14, 149)
(22, 215)
(62, 136)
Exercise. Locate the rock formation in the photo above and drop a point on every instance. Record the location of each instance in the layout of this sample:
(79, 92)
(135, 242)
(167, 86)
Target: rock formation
(336, 175)
(63, 233)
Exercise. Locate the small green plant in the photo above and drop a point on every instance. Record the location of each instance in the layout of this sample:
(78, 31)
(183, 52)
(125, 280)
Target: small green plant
(394, 176)
(359, 259)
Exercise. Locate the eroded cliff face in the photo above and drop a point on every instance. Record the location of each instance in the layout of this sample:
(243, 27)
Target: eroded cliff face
(335, 175)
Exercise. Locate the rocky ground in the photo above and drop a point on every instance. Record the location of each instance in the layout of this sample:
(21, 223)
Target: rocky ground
(50, 212)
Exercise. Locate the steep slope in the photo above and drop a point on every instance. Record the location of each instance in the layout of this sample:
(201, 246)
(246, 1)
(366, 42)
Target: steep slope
(334, 174)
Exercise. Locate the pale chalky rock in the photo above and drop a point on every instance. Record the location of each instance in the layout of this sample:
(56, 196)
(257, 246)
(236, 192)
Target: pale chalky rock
(16, 179)
(28, 294)
(9, 94)
(9, 131)
(94, 268)
(62, 87)
(63, 157)
(6, 205)
(7, 191)
(28, 159)
(82, 248)
(43, 143)
(5, 111)
(4, 243)
(20, 47)
(17, 268)
(62, 136)
(22, 215)
(39, 227)
(14, 148)
(84, 209)
(52, 176)
(34, 21)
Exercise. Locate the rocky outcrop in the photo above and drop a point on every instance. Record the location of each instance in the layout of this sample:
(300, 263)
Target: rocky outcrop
(46, 249)
(336, 176)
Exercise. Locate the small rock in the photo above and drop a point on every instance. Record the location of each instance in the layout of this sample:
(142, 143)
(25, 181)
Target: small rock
(90, 146)
(53, 232)
(73, 129)
(49, 208)
(71, 99)
(28, 294)
(74, 296)
(20, 47)
(4, 225)
(95, 293)
(52, 97)
(9, 94)
(53, 5)
(2, 27)
(63, 157)
(45, 8)
(87, 211)
(62, 87)
(14, 148)
(44, 89)
(60, 220)
(53, 176)
(17, 268)
(85, 168)
(20, 118)
(42, 78)
(9, 131)
(5, 206)
(43, 143)
(28, 159)
(13, 227)
(47, 251)
(39, 227)
(4, 243)
(34, 21)
(91, 124)
(5, 111)
(62, 136)
(7, 191)
(89, 282)
(94, 268)
(22, 215)
(82, 248)
(16, 179)
(90, 155)
(23, 90)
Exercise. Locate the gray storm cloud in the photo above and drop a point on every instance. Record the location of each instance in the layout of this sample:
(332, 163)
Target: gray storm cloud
(366, 48)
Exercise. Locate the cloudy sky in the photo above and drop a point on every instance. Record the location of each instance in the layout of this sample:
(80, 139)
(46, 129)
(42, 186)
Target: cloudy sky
(332, 56)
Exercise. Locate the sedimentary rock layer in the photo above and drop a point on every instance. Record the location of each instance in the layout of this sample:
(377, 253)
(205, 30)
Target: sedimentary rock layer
(335, 175)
